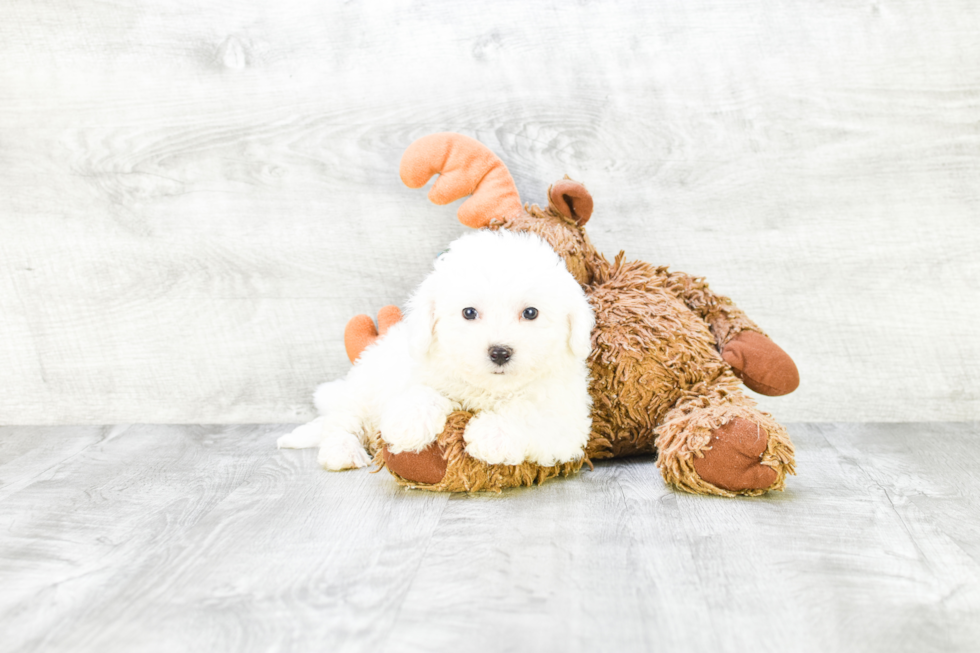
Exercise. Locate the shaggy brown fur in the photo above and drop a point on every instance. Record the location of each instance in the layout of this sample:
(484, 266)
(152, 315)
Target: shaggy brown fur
(660, 382)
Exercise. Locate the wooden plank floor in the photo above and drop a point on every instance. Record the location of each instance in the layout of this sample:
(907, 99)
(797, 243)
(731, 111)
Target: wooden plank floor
(206, 538)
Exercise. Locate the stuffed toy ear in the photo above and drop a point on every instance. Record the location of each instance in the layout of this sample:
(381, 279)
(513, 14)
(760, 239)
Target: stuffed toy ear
(465, 167)
(572, 200)
(580, 323)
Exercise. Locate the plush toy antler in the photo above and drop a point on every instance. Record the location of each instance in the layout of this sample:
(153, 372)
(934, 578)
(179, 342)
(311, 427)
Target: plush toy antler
(360, 331)
(465, 167)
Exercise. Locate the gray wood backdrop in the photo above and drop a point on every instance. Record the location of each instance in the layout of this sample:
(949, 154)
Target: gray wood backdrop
(196, 196)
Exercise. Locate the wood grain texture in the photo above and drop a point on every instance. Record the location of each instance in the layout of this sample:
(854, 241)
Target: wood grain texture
(194, 538)
(195, 197)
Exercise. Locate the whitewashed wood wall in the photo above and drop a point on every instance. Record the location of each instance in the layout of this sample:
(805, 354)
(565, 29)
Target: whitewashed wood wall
(196, 195)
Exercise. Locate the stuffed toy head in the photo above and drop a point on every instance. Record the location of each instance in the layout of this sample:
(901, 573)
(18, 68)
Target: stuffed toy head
(467, 167)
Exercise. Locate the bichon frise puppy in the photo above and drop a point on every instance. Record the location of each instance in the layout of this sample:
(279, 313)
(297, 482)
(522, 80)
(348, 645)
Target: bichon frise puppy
(499, 328)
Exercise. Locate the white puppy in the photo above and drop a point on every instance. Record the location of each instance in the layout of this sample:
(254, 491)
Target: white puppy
(499, 328)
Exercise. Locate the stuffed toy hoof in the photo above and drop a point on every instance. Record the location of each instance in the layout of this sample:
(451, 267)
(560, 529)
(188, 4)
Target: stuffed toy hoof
(761, 364)
(426, 467)
(733, 462)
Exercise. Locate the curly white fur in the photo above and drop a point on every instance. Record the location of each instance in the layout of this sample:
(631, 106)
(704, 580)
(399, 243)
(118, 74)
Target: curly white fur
(535, 407)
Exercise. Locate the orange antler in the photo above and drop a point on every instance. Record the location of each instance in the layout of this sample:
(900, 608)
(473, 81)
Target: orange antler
(360, 331)
(465, 167)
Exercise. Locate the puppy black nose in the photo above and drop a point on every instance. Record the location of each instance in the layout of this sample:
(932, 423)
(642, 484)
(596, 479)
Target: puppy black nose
(500, 355)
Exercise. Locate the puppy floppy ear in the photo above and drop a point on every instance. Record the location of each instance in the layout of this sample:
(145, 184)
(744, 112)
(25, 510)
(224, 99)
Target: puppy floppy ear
(421, 319)
(580, 323)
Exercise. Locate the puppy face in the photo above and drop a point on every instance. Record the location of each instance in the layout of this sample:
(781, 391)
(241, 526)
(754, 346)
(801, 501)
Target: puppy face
(500, 310)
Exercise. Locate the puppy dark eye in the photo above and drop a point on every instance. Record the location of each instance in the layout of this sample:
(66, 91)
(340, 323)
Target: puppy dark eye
(470, 313)
(530, 313)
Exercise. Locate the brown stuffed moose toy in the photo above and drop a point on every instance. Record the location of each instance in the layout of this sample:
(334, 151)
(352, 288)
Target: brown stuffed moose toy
(668, 356)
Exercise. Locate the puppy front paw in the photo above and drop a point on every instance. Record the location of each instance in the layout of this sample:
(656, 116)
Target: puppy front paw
(413, 420)
(494, 440)
(341, 450)
(555, 443)
(303, 436)
(564, 453)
